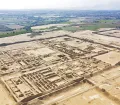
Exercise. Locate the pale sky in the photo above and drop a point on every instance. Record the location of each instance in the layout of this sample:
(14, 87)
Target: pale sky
(61, 4)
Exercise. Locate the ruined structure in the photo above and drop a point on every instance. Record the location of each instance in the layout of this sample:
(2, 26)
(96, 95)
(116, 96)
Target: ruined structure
(34, 73)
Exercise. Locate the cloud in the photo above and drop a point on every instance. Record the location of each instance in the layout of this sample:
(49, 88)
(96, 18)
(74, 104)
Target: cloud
(60, 4)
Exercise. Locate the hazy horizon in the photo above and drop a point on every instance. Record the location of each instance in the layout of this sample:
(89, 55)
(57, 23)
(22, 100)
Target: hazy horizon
(60, 5)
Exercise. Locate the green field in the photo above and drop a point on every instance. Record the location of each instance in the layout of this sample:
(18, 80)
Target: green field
(71, 28)
(12, 33)
(92, 27)
(109, 21)
(95, 27)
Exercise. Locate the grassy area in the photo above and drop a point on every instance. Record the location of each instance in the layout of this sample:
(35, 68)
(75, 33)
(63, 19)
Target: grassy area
(85, 26)
(13, 33)
(71, 28)
(109, 21)
(92, 27)
(95, 27)
(67, 22)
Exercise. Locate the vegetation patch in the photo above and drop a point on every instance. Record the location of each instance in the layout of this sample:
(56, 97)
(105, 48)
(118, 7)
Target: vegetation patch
(95, 27)
(71, 28)
(13, 33)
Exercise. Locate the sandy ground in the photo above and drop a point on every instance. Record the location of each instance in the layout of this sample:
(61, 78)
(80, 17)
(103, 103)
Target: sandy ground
(98, 79)
(67, 93)
(110, 81)
(111, 57)
(91, 97)
(25, 37)
(20, 46)
(98, 38)
(102, 29)
(41, 51)
(115, 33)
(5, 98)
(82, 34)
